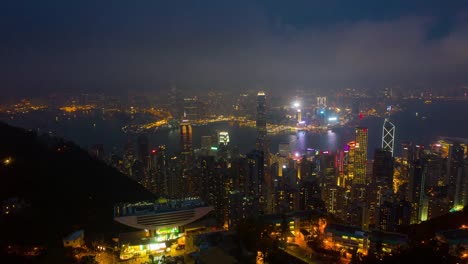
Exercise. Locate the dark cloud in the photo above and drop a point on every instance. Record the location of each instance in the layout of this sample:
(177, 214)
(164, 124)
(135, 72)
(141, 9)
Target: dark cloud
(111, 45)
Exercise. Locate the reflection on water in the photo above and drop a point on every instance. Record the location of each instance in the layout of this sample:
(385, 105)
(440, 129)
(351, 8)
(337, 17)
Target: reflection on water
(443, 119)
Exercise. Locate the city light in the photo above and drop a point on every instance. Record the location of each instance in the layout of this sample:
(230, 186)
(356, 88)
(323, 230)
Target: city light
(7, 161)
(296, 104)
(332, 118)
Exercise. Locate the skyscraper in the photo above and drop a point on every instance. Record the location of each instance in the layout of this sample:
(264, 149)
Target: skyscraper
(261, 120)
(348, 163)
(223, 138)
(186, 155)
(143, 148)
(161, 180)
(191, 110)
(360, 156)
(388, 136)
(382, 176)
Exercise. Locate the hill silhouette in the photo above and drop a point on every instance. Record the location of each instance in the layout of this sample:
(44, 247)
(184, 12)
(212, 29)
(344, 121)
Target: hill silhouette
(63, 187)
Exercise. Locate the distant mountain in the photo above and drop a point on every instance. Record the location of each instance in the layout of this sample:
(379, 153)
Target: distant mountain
(60, 187)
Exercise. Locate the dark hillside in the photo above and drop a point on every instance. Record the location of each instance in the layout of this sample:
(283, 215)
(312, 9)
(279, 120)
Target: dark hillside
(62, 187)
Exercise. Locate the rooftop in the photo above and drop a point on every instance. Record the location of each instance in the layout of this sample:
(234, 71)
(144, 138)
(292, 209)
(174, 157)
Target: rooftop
(159, 206)
(344, 230)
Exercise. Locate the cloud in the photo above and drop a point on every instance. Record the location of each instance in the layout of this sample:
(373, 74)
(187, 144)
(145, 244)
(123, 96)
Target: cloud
(229, 48)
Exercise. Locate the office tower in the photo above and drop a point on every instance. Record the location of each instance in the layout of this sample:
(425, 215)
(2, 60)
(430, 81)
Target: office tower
(143, 150)
(457, 175)
(283, 149)
(206, 145)
(299, 116)
(321, 102)
(187, 157)
(261, 121)
(360, 156)
(223, 138)
(175, 185)
(382, 173)
(175, 103)
(339, 167)
(387, 216)
(191, 109)
(388, 136)
(256, 181)
(355, 108)
(417, 190)
(161, 180)
(349, 163)
(186, 137)
(129, 159)
(206, 172)
(214, 185)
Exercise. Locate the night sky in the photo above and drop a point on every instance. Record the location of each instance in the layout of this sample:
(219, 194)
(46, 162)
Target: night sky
(118, 45)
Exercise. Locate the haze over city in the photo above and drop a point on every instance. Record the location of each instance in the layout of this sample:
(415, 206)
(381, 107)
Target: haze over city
(233, 132)
(120, 46)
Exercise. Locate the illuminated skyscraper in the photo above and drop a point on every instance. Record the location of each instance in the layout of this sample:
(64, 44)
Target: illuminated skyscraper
(388, 136)
(161, 180)
(299, 116)
(191, 110)
(348, 163)
(223, 138)
(360, 156)
(186, 156)
(261, 120)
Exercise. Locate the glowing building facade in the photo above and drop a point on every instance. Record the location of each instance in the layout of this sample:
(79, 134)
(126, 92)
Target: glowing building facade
(388, 136)
(261, 120)
(360, 156)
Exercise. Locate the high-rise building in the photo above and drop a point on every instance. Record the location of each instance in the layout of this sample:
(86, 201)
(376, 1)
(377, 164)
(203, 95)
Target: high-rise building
(206, 145)
(187, 157)
(223, 138)
(175, 103)
(261, 121)
(349, 163)
(388, 136)
(283, 149)
(143, 149)
(382, 176)
(457, 175)
(299, 116)
(191, 109)
(256, 180)
(321, 102)
(417, 191)
(161, 179)
(382, 172)
(360, 160)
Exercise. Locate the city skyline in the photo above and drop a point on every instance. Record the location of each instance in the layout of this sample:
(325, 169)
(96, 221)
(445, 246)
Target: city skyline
(234, 132)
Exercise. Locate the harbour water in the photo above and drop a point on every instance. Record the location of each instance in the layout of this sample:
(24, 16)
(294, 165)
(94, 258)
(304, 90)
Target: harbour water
(418, 122)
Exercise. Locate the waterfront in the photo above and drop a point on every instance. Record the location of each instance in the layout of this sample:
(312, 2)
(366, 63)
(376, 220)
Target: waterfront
(436, 119)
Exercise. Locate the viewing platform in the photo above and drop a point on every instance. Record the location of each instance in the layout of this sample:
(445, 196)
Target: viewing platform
(163, 213)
